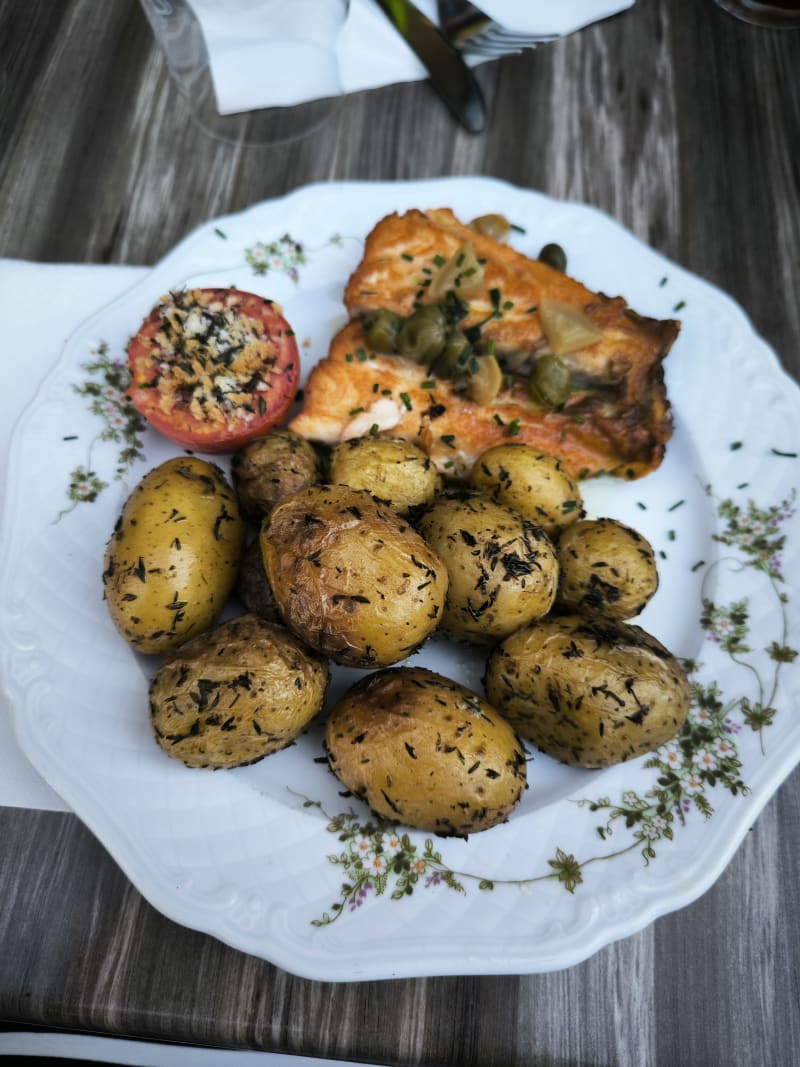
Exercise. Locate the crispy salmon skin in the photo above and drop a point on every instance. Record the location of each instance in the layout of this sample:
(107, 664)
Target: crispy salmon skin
(615, 419)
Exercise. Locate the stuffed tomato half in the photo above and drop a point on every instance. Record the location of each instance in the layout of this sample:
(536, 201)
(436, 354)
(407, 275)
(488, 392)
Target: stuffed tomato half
(212, 369)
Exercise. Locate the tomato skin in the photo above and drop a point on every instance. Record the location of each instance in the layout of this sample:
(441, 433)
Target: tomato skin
(270, 403)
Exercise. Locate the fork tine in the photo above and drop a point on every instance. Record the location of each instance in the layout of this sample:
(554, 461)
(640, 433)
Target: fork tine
(490, 51)
(492, 45)
(496, 35)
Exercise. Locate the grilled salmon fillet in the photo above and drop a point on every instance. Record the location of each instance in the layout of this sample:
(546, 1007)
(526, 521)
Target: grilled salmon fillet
(615, 420)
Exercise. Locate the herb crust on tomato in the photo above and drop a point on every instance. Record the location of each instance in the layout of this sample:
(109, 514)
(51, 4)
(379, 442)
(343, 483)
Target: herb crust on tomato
(212, 369)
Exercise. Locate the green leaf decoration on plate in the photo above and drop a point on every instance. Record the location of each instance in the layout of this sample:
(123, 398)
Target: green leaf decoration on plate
(121, 424)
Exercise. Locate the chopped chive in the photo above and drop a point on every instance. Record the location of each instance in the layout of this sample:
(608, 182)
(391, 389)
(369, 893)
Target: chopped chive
(670, 535)
(448, 439)
(700, 563)
(355, 411)
(735, 445)
(407, 257)
(219, 233)
(373, 429)
(663, 282)
(498, 420)
(406, 400)
(675, 506)
(70, 437)
(681, 304)
(429, 383)
(513, 427)
(786, 455)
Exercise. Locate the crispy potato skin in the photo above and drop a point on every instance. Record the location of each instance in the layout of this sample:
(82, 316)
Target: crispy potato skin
(395, 471)
(272, 467)
(532, 482)
(252, 586)
(502, 569)
(606, 567)
(590, 692)
(422, 750)
(236, 694)
(174, 554)
(350, 577)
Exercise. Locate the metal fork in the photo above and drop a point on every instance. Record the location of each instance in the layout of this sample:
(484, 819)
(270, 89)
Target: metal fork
(474, 33)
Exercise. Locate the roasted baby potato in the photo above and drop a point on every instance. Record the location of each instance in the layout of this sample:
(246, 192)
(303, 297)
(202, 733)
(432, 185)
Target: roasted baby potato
(350, 577)
(502, 569)
(395, 471)
(424, 751)
(588, 691)
(174, 554)
(252, 586)
(234, 695)
(605, 567)
(269, 468)
(534, 483)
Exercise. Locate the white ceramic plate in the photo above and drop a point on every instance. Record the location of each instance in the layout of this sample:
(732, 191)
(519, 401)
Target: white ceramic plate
(271, 858)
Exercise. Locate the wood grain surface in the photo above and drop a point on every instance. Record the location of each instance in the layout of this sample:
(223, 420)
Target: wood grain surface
(684, 125)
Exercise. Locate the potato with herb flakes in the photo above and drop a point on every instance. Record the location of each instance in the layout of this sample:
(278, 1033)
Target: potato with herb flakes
(350, 577)
(502, 568)
(236, 694)
(605, 567)
(271, 467)
(424, 751)
(252, 585)
(588, 691)
(173, 557)
(395, 471)
(535, 483)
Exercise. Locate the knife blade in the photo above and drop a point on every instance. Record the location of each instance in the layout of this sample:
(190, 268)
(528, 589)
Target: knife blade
(450, 75)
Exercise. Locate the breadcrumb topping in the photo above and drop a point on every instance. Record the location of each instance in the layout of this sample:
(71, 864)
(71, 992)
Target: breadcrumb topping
(212, 358)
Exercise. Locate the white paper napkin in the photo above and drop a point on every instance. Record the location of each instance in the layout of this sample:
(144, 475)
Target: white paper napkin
(371, 52)
(73, 293)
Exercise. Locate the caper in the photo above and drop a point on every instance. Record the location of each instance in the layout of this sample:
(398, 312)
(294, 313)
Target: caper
(550, 381)
(554, 256)
(452, 360)
(422, 336)
(496, 226)
(381, 330)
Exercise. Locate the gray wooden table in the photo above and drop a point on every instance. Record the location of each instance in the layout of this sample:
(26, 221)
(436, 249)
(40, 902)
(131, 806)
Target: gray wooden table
(681, 123)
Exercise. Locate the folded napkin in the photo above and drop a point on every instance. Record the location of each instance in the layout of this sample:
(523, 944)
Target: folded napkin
(73, 293)
(370, 51)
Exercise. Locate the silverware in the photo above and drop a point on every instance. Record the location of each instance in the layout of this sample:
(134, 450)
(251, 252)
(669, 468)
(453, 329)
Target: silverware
(474, 33)
(449, 74)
